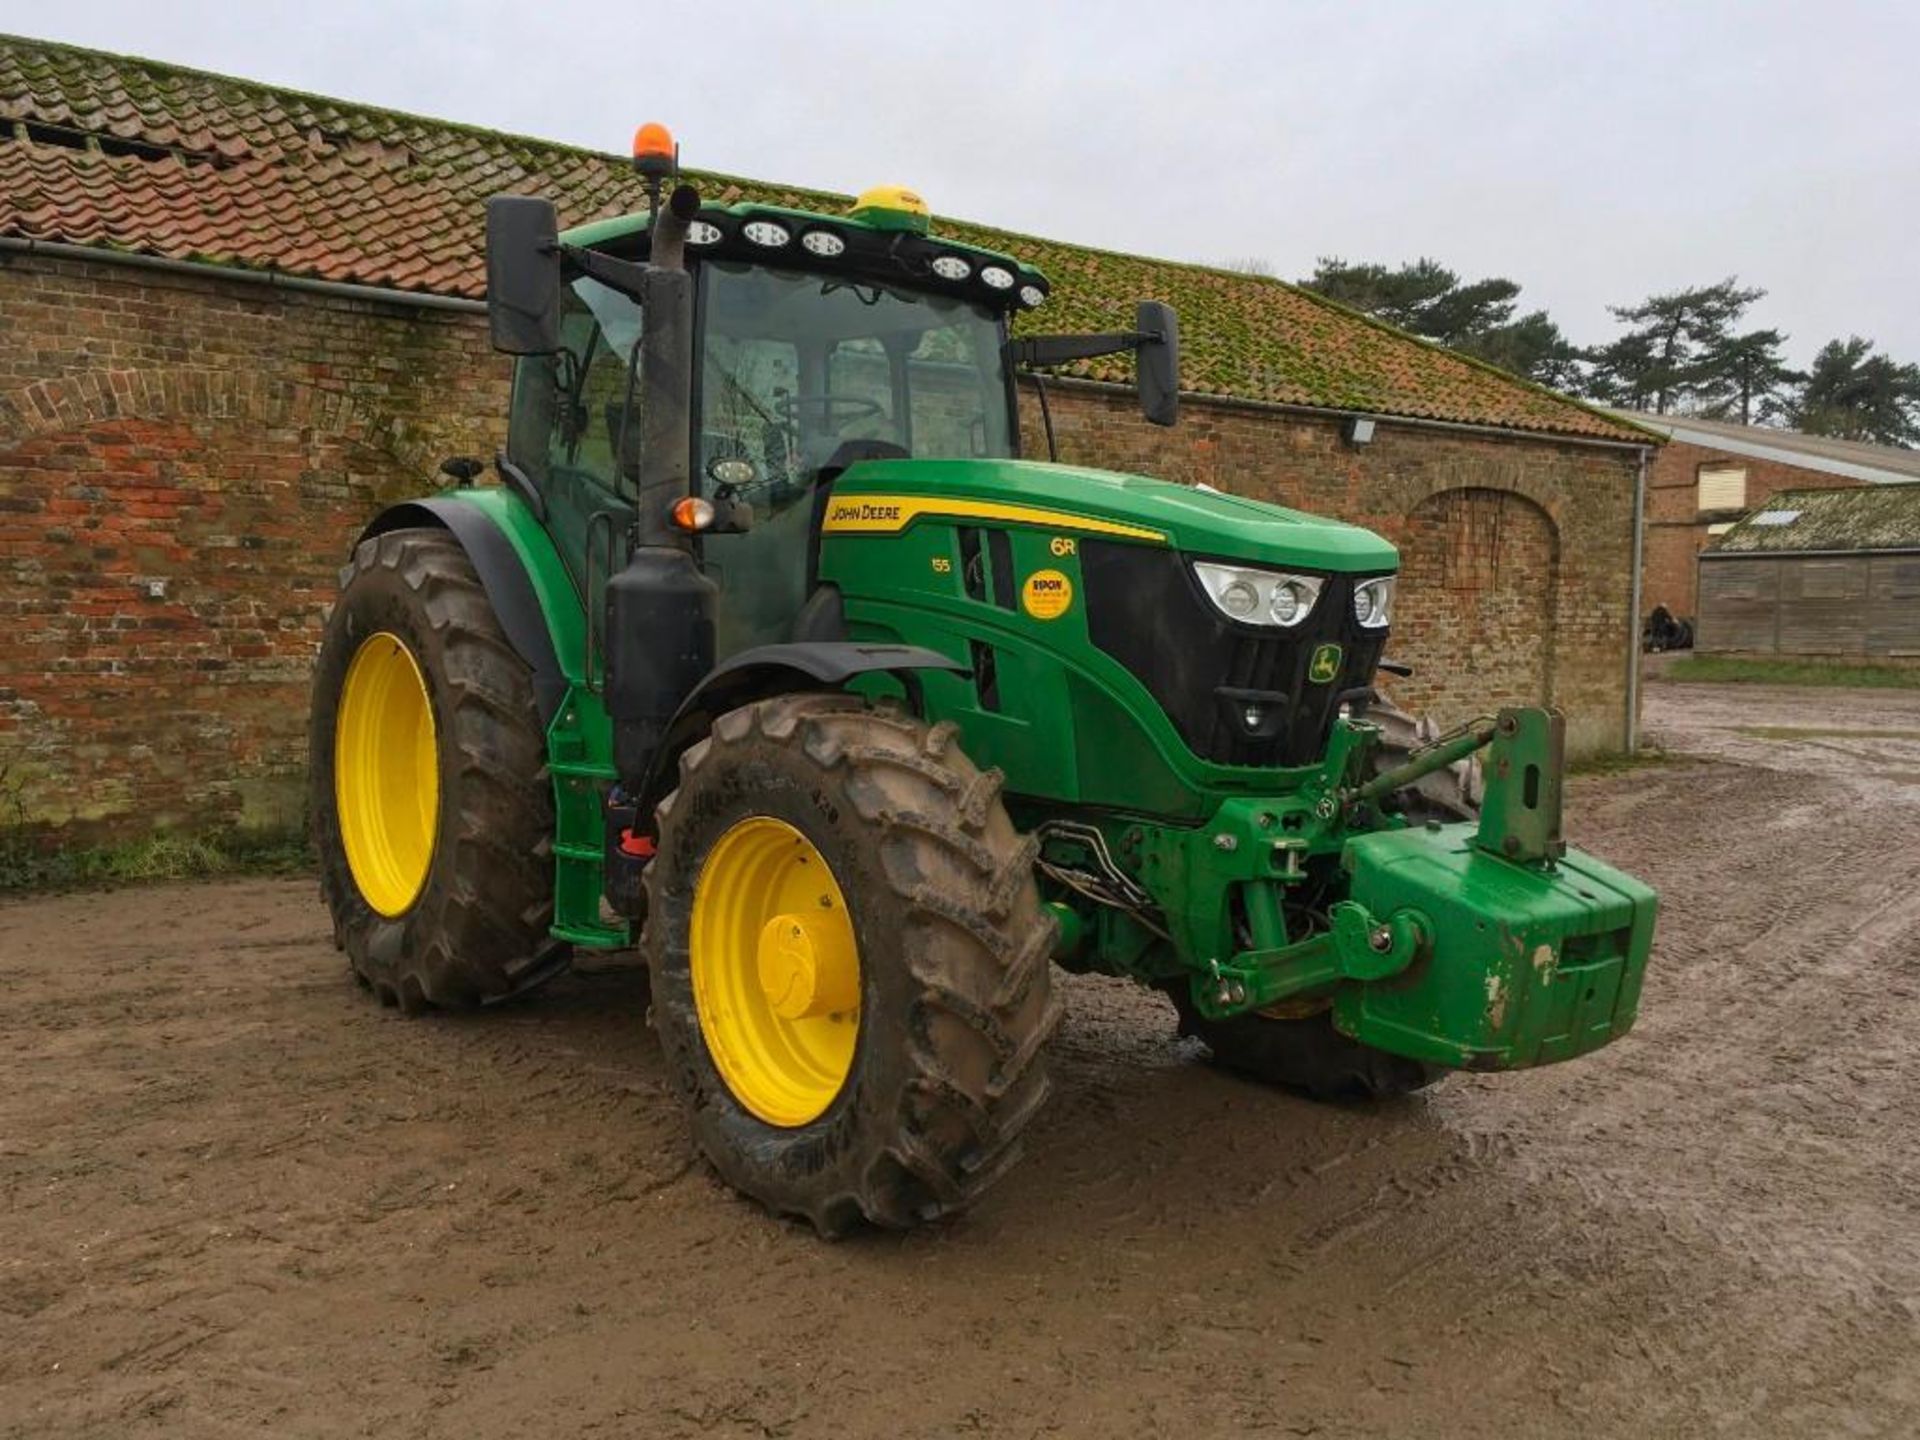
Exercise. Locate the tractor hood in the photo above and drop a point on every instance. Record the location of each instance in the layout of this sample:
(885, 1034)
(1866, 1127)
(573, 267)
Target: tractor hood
(883, 496)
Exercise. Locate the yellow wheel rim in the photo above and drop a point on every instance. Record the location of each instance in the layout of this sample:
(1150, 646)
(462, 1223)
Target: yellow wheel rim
(776, 971)
(386, 774)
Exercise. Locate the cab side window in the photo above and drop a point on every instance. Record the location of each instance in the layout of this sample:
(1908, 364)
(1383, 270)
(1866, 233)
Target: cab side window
(748, 390)
(571, 430)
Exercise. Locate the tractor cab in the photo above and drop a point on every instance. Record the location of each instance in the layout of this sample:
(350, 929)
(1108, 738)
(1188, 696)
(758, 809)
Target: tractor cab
(816, 341)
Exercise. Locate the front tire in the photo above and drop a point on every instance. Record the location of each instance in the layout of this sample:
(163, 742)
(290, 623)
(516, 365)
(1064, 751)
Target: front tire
(432, 810)
(1304, 1053)
(850, 964)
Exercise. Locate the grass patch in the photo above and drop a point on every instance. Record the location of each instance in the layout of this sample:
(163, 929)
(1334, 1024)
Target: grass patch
(26, 867)
(1647, 757)
(1727, 669)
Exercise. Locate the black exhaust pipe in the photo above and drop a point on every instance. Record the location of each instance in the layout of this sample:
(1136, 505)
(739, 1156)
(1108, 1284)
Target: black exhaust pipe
(659, 607)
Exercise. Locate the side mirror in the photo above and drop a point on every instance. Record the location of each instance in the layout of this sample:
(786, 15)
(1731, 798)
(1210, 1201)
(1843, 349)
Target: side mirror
(523, 275)
(1159, 361)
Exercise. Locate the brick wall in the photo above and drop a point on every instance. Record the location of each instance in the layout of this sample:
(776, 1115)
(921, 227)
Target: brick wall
(184, 460)
(182, 467)
(1677, 531)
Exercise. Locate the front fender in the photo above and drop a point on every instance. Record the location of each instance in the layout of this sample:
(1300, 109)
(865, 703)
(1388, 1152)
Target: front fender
(768, 670)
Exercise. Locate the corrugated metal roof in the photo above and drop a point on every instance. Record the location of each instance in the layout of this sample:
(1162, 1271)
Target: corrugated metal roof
(1871, 517)
(1876, 464)
(126, 154)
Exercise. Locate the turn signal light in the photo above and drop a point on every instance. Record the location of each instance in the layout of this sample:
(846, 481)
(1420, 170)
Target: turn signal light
(691, 514)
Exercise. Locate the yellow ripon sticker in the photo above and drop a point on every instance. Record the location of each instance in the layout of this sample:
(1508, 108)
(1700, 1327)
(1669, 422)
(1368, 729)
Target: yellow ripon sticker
(890, 514)
(1047, 595)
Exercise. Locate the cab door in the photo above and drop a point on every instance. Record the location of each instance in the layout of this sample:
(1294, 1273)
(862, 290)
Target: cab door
(575, 433)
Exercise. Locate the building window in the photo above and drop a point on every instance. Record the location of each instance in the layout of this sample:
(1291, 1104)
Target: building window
(1723, 487)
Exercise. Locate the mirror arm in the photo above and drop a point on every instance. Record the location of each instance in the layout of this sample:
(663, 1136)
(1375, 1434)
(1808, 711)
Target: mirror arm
(1034, 351)
(626, 276)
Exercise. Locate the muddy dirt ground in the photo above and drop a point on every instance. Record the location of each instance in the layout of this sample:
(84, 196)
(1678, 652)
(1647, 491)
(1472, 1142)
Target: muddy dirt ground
(241, 1199)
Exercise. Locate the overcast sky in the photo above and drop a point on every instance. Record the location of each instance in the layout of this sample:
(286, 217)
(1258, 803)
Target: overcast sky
(1593, 152)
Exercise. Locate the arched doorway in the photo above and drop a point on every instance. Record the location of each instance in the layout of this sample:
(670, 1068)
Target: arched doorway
(1475, 613)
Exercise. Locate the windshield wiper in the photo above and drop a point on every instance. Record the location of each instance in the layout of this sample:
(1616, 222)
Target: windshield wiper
(827, 287)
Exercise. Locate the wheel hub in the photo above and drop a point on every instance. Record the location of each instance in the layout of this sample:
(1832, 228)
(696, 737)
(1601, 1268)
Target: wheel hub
(806, 968)
(776, 971)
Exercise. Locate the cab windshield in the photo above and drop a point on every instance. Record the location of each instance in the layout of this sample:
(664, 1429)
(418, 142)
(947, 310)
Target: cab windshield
(796, 365)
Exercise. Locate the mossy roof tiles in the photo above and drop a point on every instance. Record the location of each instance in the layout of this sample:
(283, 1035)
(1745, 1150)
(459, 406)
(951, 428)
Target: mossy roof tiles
(1864, 517)
(120, 153)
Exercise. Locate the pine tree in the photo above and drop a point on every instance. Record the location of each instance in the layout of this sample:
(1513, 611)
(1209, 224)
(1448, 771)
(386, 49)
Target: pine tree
(1424, 297)
(1749, 379)
(1475, 318)
(1854, 394)
(1672, 352)
(1534, 347)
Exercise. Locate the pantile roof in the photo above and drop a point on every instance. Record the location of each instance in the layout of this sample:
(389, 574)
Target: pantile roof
(119, 153)
(1863, 517)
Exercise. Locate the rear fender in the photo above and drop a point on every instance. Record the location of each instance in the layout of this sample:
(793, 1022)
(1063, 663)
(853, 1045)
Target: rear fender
(506, 575)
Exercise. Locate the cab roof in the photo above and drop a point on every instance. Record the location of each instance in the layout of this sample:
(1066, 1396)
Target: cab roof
(872, 243)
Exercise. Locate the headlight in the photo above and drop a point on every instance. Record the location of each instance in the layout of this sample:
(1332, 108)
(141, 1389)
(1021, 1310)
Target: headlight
(765, 232)
(1259, 597)
(1373, 603)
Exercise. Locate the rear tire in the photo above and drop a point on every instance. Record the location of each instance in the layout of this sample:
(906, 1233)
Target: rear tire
(476, 931)
(1306, 1052)
(953, 962)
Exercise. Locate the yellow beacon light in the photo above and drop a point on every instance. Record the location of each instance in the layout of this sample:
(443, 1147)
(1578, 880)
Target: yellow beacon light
(893, 207)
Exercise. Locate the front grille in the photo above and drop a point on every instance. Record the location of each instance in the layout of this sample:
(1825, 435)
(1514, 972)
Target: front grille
(1146, 610)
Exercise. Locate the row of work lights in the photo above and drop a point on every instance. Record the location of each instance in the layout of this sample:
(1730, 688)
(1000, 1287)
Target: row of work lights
(826, 244)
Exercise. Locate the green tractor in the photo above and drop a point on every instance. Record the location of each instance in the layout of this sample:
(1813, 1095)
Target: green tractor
(771, 654)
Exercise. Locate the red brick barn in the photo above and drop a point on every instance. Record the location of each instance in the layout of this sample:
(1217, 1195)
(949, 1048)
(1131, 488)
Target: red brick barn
(1710, 475)
(239, 319)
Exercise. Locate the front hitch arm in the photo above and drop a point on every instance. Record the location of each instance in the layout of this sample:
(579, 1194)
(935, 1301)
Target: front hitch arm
(1447, 750)
(1359, 946)
(1519, 823)
(1526, 760)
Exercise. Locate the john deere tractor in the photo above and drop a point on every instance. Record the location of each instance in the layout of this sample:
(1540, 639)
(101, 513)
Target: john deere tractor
(771, 654)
